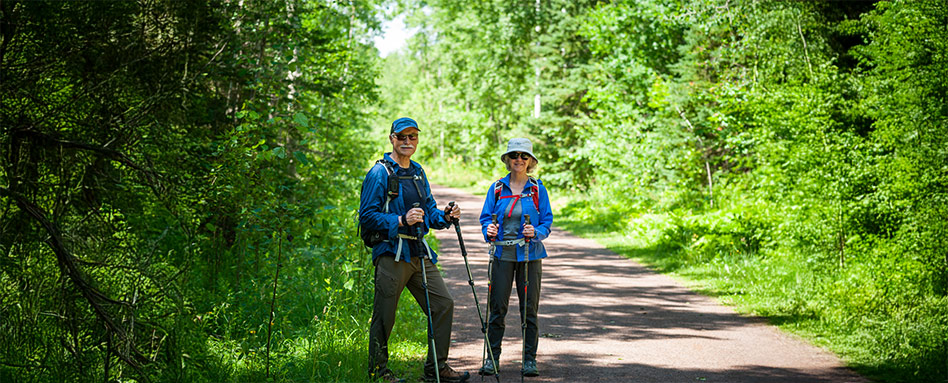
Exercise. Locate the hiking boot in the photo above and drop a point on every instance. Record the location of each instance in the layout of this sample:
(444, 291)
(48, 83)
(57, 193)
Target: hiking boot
(530, 368)
(448, 375)
(488, 368)
(387, 376)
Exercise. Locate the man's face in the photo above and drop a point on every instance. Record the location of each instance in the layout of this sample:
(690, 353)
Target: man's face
(405, 142)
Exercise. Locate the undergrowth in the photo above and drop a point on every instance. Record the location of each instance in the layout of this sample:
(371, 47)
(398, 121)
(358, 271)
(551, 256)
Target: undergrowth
(885, 332)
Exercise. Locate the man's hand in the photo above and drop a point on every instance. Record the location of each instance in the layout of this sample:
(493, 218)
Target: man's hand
(454, 211)
(415, 215)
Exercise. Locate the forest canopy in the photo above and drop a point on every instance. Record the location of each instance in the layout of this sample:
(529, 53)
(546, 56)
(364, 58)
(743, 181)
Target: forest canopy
(178, 179)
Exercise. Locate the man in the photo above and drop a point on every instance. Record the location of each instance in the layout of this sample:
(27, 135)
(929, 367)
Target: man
(399, 258)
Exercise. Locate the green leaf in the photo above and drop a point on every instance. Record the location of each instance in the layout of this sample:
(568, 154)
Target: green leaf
(301, 119)
(301, 157)
(279, 152)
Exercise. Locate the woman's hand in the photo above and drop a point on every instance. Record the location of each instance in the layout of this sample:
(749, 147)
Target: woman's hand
(528, 231)
(492, 230)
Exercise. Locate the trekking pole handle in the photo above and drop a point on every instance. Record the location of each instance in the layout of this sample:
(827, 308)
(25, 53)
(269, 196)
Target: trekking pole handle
(448, 217)
(417, 225)
(493, 220)
(526, 221)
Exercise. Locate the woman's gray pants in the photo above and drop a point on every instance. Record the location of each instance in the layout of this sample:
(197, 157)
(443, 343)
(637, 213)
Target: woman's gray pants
(502, 275)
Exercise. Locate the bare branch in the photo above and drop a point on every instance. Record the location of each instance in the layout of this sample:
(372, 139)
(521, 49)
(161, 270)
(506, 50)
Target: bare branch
(103, 151)
(707, 166)
(67, 263)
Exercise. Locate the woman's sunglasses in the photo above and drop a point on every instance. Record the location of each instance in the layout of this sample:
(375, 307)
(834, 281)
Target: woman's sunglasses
(521, 155)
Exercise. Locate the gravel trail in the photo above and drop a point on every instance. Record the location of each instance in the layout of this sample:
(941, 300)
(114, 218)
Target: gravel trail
(604, 318)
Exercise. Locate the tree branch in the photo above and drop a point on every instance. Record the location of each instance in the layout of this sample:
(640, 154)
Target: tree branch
(707, 166)
(67, 263)
(806, 54)
(103, 151)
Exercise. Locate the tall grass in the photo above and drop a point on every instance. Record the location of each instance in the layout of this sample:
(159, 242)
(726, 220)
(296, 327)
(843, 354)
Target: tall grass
(887, 335)
(455, 174)
(321, 319)
(734, 255)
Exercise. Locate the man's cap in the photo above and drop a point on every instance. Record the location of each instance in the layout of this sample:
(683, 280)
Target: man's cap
(402, 123)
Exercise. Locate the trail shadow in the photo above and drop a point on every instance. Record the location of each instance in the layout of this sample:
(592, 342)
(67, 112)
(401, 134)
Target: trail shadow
(568, 367)
(657, 307)
(602, 304)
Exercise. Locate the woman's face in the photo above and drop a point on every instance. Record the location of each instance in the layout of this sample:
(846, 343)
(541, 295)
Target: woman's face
(518, 162)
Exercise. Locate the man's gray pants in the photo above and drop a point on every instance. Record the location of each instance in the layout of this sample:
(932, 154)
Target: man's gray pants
(390, 279)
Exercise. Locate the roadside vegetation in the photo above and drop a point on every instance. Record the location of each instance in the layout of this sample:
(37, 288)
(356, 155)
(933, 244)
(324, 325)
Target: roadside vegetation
(177, 179)
(786, 157)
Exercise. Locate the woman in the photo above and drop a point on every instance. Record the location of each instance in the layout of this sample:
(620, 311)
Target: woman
(517, 250)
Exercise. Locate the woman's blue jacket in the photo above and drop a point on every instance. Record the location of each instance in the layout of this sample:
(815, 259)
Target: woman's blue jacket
(541, 219)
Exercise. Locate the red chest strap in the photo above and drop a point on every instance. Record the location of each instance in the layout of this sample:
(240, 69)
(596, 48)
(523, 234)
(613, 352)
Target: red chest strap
(516, 198)
(534, 192)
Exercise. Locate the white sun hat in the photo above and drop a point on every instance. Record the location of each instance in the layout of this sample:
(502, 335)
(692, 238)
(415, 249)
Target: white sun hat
(519, 145)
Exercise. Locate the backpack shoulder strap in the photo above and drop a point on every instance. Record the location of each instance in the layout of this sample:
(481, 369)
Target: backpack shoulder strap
(387, 165)
(391, 182)
(420, 176)
(535, 192)
(394, 178)
(533, 183)
(498, 187)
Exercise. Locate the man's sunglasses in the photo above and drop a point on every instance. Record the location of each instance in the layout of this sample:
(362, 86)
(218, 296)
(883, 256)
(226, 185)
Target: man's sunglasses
(521, 155)
(402, 137)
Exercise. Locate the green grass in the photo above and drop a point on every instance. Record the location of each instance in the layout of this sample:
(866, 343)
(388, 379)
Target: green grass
(320, 330)
(893, 339)
(901, 340)
(453, 174)
(326, 351)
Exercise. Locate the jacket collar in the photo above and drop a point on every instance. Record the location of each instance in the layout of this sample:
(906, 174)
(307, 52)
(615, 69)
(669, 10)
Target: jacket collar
(506, 181)
(412, 164)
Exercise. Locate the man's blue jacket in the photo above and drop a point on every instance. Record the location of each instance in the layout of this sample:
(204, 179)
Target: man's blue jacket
(541, 219)
(372, 215)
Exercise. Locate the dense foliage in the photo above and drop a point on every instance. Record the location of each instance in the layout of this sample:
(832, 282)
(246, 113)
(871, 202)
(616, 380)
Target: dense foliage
(176, 183)
(175, 186)
(807, 141)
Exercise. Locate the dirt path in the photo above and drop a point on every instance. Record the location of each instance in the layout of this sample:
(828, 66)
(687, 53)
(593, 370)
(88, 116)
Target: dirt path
(604, 318)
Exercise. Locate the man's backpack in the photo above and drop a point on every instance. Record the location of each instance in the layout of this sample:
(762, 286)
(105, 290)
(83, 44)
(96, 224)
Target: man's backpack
(534, 194)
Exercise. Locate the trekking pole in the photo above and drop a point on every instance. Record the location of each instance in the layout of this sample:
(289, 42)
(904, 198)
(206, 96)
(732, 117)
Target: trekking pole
(526, 284)
(490, 283)
(424, 285)
(470, 281)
